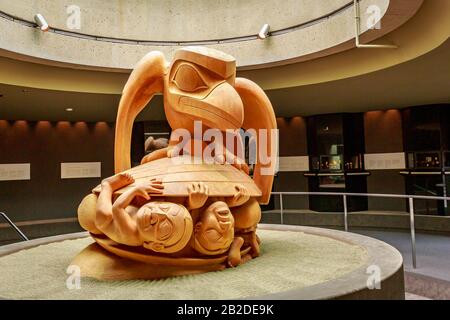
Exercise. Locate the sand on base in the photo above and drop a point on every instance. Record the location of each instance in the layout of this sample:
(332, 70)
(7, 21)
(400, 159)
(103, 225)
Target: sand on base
(289, 260)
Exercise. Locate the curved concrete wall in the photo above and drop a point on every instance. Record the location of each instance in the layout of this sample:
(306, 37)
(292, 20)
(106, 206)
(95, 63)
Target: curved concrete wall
(426, 31)
(325, 37)
(169, 20)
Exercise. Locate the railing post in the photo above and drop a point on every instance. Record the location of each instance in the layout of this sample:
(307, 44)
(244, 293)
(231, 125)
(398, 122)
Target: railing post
(444, 192)
(413, 231)
(344, 197)
(20, 233)
(281, 209)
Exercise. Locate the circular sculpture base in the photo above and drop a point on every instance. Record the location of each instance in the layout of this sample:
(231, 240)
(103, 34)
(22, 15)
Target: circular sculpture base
(295, 263)
(96, 262)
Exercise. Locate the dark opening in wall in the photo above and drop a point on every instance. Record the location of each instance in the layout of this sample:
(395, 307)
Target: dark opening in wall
(426, 136)
(336, 148)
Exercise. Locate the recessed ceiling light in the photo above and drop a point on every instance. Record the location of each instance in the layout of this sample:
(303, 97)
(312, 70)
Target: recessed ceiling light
(69, 109)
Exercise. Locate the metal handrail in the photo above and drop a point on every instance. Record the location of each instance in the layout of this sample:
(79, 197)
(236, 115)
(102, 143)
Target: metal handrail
(7, 219)
(379, 195)
(344, 196)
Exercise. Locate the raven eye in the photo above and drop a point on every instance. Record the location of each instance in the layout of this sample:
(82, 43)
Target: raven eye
(187, 79)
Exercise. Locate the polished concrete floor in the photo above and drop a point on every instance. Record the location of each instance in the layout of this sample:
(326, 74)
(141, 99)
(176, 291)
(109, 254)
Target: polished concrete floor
(431, 277)
(411, 296)
(432, 251)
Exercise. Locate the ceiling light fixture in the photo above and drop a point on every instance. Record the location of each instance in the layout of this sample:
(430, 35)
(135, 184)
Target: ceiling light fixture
(41, 22)
(69, 109)
(264, 32)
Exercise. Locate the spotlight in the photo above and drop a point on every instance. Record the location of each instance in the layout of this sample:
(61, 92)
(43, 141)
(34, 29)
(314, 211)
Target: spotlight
(69, 109)
(41, 22)
(264, 32)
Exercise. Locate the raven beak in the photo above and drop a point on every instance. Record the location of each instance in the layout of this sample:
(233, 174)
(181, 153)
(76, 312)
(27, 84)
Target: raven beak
(222, 108)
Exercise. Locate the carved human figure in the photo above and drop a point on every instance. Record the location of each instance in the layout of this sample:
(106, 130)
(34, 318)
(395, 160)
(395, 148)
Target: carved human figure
(246, 219)
(163, 225)
(157, 225)
(151, 144)
(214, 231)
(243, 212)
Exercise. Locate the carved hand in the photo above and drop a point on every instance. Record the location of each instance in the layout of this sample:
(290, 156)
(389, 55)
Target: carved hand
(240, 197)
(144, 190)
(118, 181)
(198, 194)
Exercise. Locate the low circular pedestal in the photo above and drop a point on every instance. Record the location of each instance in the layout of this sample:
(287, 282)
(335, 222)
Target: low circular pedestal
(295, 263)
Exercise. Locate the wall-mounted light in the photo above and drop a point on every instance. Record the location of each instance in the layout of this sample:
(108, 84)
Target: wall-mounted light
(69, 109)
(41, 22)
(264, 32)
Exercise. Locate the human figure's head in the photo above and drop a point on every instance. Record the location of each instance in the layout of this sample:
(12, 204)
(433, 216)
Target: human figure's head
(164, 226)
(214, 232)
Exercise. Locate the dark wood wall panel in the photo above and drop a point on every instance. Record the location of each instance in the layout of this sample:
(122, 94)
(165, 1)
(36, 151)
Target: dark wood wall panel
(292, 142)
(383, 134)
(45, 145)
(292, 135)
(383, 131)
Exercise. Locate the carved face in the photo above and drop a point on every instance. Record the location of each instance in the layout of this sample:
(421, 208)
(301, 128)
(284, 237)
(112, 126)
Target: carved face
(215, 230)
(203, 94)
(162, 225)
(199, 84)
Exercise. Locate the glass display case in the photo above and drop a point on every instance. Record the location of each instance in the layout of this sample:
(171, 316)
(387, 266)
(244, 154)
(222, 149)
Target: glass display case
(424, 160)
(428, 160)
(411, 163)
(332, 182)
(447, 160)
(331, 163)
(336, 148)
(354, 163)
(315, 163)
(426, 140)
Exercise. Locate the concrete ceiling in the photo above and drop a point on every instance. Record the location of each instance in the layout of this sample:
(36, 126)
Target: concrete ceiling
(425, 80)
(20, 103)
